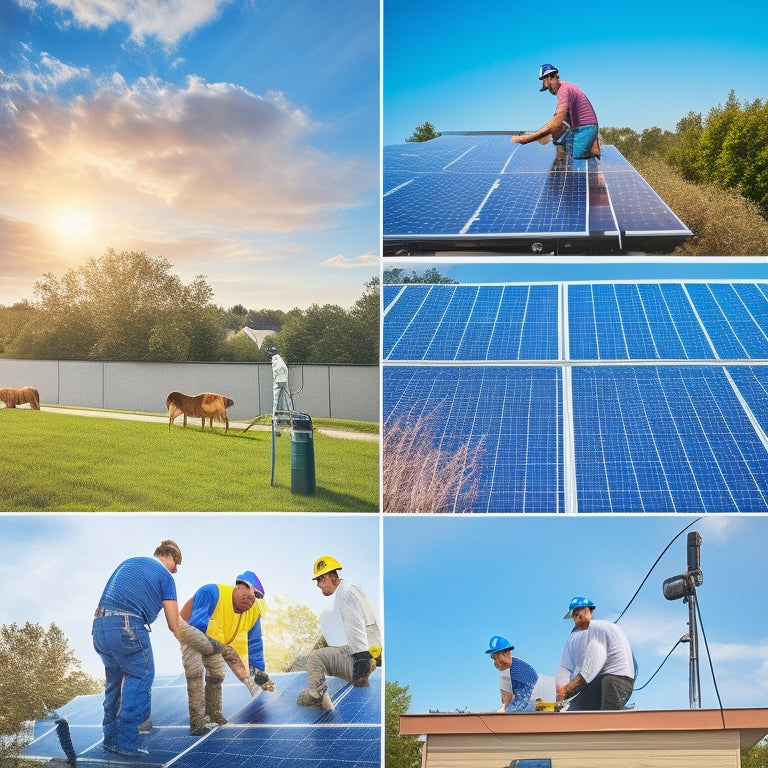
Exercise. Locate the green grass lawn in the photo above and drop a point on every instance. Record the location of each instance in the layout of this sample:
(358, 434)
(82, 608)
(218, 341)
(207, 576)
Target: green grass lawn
(61, 462)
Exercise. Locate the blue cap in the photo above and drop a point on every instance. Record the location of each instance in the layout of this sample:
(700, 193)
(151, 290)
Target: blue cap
(498, 643)
(578, 602)
(250, 578)
(544, 70)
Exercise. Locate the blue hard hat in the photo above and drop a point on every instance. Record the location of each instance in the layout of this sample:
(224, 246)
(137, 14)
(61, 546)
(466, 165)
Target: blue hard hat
(498, 643)
(253, 581)
(578, 602)
(544, 70)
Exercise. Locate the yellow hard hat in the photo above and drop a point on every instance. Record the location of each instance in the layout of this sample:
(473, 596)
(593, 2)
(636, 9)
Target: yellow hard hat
(325, 564)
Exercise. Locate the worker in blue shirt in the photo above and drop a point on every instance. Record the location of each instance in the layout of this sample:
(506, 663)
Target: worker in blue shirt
(133, 597)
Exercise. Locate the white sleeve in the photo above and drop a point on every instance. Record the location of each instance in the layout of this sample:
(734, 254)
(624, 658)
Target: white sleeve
(353, 618)
(594, 656)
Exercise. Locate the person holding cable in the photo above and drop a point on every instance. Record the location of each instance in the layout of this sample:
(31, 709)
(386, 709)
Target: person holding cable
(573, 127)
(605, 677)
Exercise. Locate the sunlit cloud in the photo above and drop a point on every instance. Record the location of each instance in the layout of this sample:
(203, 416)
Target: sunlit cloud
(153, 156)
(369, 259)
(165, 20)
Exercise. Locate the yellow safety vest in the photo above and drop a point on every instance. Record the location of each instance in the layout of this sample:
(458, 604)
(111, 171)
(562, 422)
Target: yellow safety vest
(232, 628)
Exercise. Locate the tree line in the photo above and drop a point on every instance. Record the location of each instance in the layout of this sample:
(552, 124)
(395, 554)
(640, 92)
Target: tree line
(130, 306)
(728, 147)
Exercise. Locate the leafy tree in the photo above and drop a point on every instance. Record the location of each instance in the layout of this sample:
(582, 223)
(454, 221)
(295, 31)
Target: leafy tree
(423, 132)
(365, 317)
(331, 334)
(265, 319)
(755, 757)
(38, 673)
(291, 630)
(122, 306)
(241, 349)
(13, 319)
(393, 275)
(235, 317)
(399, 751)
(625, 140)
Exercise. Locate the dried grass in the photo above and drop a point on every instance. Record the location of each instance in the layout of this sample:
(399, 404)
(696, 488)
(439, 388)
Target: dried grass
(420, 476)
(723, 222)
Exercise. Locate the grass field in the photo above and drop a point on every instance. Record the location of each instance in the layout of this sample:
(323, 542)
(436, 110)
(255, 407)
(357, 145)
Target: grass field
(61, 462)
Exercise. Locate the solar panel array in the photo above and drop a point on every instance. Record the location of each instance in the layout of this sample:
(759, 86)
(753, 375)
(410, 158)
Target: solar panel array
(271, 730)
(589, 397)
(481, 191)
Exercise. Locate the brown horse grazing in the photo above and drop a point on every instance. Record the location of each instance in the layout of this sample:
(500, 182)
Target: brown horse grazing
(205, 406)
(13, 397)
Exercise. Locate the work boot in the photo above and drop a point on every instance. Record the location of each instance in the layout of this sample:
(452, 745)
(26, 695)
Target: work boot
(326, 702)
(199, 727)
(213, 705)
(309, 698)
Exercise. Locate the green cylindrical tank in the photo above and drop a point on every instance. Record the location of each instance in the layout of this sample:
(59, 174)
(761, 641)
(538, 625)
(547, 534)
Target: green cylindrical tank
(303, 479)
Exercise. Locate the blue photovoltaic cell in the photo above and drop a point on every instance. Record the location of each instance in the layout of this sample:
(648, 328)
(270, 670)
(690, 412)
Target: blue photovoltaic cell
(665, 439)
(467, 322)
(733, 330)
(457, 190)
(646, 437)
(627, 321)
(512, 415)
(270, 730)
(752, 383)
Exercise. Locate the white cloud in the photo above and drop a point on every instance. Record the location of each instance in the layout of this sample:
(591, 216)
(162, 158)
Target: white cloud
(165, 20)
(208, 156)
(368, 259)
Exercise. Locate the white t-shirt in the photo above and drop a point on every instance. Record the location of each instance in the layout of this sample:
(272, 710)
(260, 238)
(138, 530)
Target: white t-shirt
(607, 651)
(573, 655)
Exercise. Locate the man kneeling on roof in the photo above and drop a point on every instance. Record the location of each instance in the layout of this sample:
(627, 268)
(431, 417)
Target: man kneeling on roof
(351, 644)
(517, 679)
(224, 628)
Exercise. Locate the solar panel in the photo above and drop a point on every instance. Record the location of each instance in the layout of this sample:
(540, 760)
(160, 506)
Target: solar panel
(270, 730)
(477, 191)
(679, 426)
(511, 414)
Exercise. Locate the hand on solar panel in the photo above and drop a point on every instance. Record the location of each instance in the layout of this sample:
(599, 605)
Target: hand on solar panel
(262, 679)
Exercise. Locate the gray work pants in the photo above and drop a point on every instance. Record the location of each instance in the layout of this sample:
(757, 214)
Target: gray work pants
(204, 695)
(335, 661)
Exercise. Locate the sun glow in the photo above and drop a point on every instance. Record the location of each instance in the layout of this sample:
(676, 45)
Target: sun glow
(75, 225)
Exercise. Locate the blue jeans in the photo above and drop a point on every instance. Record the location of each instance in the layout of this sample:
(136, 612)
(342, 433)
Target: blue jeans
(124, 647)
(578, 141)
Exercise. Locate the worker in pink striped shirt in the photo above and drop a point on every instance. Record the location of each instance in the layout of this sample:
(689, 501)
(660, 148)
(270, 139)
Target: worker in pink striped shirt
(573, 127)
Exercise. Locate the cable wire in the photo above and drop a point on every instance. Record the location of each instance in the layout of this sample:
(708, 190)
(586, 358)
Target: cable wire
(664, 551)
(658, 669)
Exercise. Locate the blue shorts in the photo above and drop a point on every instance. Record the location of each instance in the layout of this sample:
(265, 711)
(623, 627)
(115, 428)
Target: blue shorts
(578, 141)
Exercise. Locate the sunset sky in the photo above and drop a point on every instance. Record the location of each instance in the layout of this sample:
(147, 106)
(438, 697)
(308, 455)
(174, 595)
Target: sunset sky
(239, 140)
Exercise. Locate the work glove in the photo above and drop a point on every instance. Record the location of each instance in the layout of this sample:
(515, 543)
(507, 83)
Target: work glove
(262, 679)
(362, 666)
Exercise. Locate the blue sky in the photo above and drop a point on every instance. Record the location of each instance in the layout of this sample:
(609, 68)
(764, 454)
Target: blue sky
(475, 67)
(531, 269)
(452, 582)
(237, 138)
(54, 567)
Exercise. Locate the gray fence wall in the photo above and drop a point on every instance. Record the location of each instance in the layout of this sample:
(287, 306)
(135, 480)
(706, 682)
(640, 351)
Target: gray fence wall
(336, 391)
